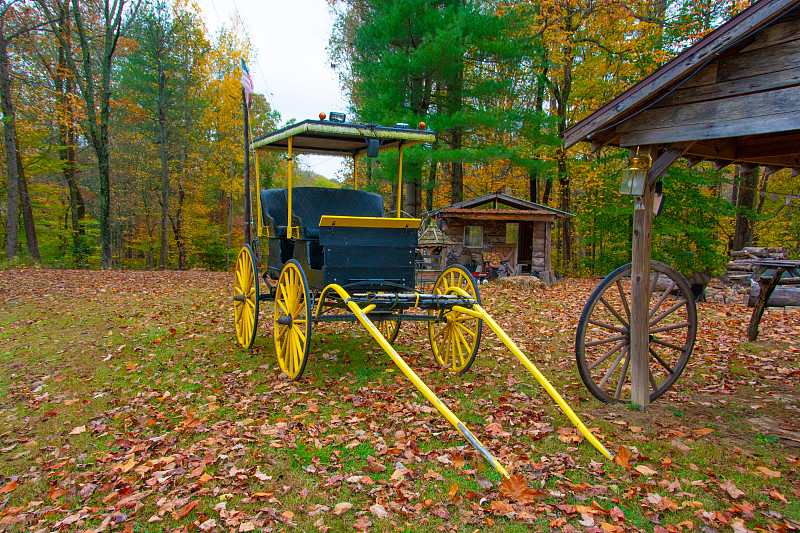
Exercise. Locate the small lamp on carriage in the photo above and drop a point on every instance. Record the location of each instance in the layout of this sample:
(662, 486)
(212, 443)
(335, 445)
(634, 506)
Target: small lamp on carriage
(635, 176)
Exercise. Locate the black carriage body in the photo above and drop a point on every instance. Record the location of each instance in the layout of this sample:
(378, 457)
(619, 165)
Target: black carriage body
(362, 255)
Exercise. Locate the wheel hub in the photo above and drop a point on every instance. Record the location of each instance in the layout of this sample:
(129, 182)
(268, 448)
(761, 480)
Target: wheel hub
(285, 320)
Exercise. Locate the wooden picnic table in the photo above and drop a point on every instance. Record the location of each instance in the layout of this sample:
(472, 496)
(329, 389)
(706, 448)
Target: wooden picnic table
(768, 284)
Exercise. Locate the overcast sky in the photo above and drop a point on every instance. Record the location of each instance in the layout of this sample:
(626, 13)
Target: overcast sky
(291, 66)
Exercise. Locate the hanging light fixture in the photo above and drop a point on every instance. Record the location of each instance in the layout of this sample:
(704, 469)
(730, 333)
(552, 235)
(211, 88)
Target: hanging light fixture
(635, 176)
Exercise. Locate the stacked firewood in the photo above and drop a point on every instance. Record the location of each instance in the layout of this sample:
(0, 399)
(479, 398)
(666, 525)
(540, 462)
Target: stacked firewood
(741, 268)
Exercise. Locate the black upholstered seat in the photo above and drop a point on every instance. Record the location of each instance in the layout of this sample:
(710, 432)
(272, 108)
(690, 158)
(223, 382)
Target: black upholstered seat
(310, 203)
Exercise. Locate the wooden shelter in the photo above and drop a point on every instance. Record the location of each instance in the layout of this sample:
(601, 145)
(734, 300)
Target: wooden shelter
(516, 230)
(732, 97)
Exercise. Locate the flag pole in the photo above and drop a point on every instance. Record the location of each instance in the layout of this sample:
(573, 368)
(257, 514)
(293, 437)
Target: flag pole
(246, 84)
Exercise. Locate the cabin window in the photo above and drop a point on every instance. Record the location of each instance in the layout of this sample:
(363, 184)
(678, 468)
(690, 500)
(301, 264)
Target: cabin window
(473, 236)
(512, 232)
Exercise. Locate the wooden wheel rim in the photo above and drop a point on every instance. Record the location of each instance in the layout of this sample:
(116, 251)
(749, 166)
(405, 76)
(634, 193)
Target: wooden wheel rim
(455, 341)
(602, 344)
(245, 294)
(291, 321)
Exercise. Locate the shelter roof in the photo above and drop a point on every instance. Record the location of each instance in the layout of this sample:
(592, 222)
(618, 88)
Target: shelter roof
(463, 208)
(726, 98)
(324, 137)
(433, 236)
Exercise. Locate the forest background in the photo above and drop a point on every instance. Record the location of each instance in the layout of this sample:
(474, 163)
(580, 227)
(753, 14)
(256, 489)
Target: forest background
(123, 136)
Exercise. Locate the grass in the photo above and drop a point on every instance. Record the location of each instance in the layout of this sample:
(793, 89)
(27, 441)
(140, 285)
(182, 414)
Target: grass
(173, 411)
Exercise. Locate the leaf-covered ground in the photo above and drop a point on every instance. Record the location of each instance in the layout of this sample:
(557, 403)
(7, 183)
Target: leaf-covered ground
(127, 405)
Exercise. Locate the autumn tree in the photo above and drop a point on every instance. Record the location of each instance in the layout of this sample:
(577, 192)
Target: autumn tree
(98, 29)
(16, 19)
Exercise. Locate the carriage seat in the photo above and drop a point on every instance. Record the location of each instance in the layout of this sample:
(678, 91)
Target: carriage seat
(310, 203)
(273, 212)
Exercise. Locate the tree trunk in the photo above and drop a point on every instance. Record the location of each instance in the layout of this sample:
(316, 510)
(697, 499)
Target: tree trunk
(27, 209)
(563, 176)
(431, 186)
(163, 258)
(762, 193)
(746, 203)
(10, 142)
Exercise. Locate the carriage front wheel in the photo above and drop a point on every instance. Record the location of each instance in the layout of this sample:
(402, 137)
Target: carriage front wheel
(455, 337)
(292, 320)
(602, 344)
(245, 297)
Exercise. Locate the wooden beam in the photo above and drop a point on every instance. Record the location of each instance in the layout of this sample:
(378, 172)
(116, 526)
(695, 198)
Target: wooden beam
(795, 172)
(748, 106)
(640, 293)
(769, 170)
(693, 160)
(719, 164)
(724, 127)
(666, 160)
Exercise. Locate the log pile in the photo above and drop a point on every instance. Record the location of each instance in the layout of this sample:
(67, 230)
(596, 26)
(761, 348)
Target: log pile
(741, 267)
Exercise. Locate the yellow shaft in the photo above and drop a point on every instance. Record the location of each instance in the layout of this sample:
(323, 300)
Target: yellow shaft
(400, 181)
(478, 312)
(289, 199)
(412, 376)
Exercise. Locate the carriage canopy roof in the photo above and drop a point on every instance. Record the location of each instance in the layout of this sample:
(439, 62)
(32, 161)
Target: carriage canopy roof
(324, 137)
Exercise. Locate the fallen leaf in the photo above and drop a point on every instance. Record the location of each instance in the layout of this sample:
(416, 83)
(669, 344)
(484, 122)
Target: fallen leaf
(342, 508)
(732, 490)
(185, 510)
(517, 489)
(646, 470)
(767, 472)
(78, 430)
(704, 431)
(8, 487)
(208, 525)
(246, 527)
(378, 511)
(623, 457)
(363, 523)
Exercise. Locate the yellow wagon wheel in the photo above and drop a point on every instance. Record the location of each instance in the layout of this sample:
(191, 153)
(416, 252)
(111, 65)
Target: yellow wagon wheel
(245, 297)
(292, 324)
(389, 328)
(456, 337)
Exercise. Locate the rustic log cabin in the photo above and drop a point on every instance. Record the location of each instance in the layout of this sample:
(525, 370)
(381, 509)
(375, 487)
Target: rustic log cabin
(730, 98)
(503, 227)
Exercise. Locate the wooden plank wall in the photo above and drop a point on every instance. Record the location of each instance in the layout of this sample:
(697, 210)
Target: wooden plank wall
(751, 91)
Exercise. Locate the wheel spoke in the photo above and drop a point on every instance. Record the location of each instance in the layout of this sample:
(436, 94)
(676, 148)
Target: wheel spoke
(614, 312)
(624, 299)
(664, 296)
(612, 369)
(660, 360)
(666, 313)
(615, 338)
(624, 374)
(670, 328)
(608, 354)
(608, 326)
(667, 344)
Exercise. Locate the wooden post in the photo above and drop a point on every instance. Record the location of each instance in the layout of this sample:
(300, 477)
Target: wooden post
(767, 288)
(640, 293)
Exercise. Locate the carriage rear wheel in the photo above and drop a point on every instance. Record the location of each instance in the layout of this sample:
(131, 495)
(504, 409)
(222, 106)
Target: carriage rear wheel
(245, 297)
(292, 320)
(456, 337)
(602, 344)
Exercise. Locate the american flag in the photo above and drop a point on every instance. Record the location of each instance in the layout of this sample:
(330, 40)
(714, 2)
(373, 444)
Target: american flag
(247, 85)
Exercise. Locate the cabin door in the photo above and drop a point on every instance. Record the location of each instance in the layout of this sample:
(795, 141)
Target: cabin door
(525, 243)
